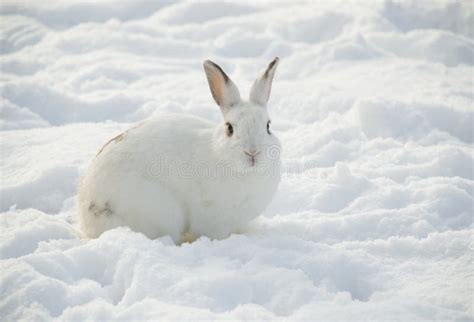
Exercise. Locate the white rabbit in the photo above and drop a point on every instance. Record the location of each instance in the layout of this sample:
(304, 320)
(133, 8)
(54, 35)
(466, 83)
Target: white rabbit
(184, 176)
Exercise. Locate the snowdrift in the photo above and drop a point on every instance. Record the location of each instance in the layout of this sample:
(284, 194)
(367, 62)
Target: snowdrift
(373, 103)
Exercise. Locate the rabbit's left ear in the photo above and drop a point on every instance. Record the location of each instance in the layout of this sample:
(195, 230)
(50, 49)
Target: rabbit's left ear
(223, 90)
(260, 91)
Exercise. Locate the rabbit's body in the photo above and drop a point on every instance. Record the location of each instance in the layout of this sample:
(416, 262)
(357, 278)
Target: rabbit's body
(149, 180)
(181, 175)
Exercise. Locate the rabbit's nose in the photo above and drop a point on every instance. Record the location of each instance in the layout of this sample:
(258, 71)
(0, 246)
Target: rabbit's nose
(252, 153)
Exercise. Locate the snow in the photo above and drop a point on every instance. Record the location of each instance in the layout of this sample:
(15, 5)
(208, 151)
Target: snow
(373, 103)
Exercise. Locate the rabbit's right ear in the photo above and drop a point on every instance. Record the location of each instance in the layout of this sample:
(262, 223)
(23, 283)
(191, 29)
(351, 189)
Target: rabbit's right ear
(223, 90)
(260, 91)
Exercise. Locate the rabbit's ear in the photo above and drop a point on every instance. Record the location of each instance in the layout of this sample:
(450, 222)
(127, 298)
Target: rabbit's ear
(223, 90)
(260, 91)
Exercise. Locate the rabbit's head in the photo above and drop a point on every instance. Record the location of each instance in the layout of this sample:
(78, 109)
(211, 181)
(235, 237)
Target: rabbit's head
(244, 139)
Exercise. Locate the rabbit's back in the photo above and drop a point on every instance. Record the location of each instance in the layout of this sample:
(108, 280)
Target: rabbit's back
(154, 149)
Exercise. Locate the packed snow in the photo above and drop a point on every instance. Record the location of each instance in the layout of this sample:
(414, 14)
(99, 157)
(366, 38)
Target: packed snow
(373, 103)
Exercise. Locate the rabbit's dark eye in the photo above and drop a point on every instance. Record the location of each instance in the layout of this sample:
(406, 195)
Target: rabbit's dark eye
(230, 129)
(268, 127)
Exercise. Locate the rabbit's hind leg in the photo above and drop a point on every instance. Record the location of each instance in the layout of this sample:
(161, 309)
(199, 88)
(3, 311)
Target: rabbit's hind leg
(145, 206)
(97, 217)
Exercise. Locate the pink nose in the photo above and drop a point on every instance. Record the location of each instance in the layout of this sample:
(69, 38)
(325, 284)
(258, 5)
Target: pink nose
(252, 154)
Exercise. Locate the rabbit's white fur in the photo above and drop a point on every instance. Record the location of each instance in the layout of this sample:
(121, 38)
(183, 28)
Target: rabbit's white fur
(183, 176)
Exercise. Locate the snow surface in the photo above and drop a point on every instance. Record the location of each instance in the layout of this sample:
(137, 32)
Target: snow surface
(373, 102)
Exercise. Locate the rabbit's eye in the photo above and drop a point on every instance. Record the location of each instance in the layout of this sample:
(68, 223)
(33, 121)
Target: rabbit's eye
(268, 127)
(230, 129)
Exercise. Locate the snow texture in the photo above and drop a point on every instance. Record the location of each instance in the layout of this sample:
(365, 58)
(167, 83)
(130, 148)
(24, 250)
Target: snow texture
(373, 103)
